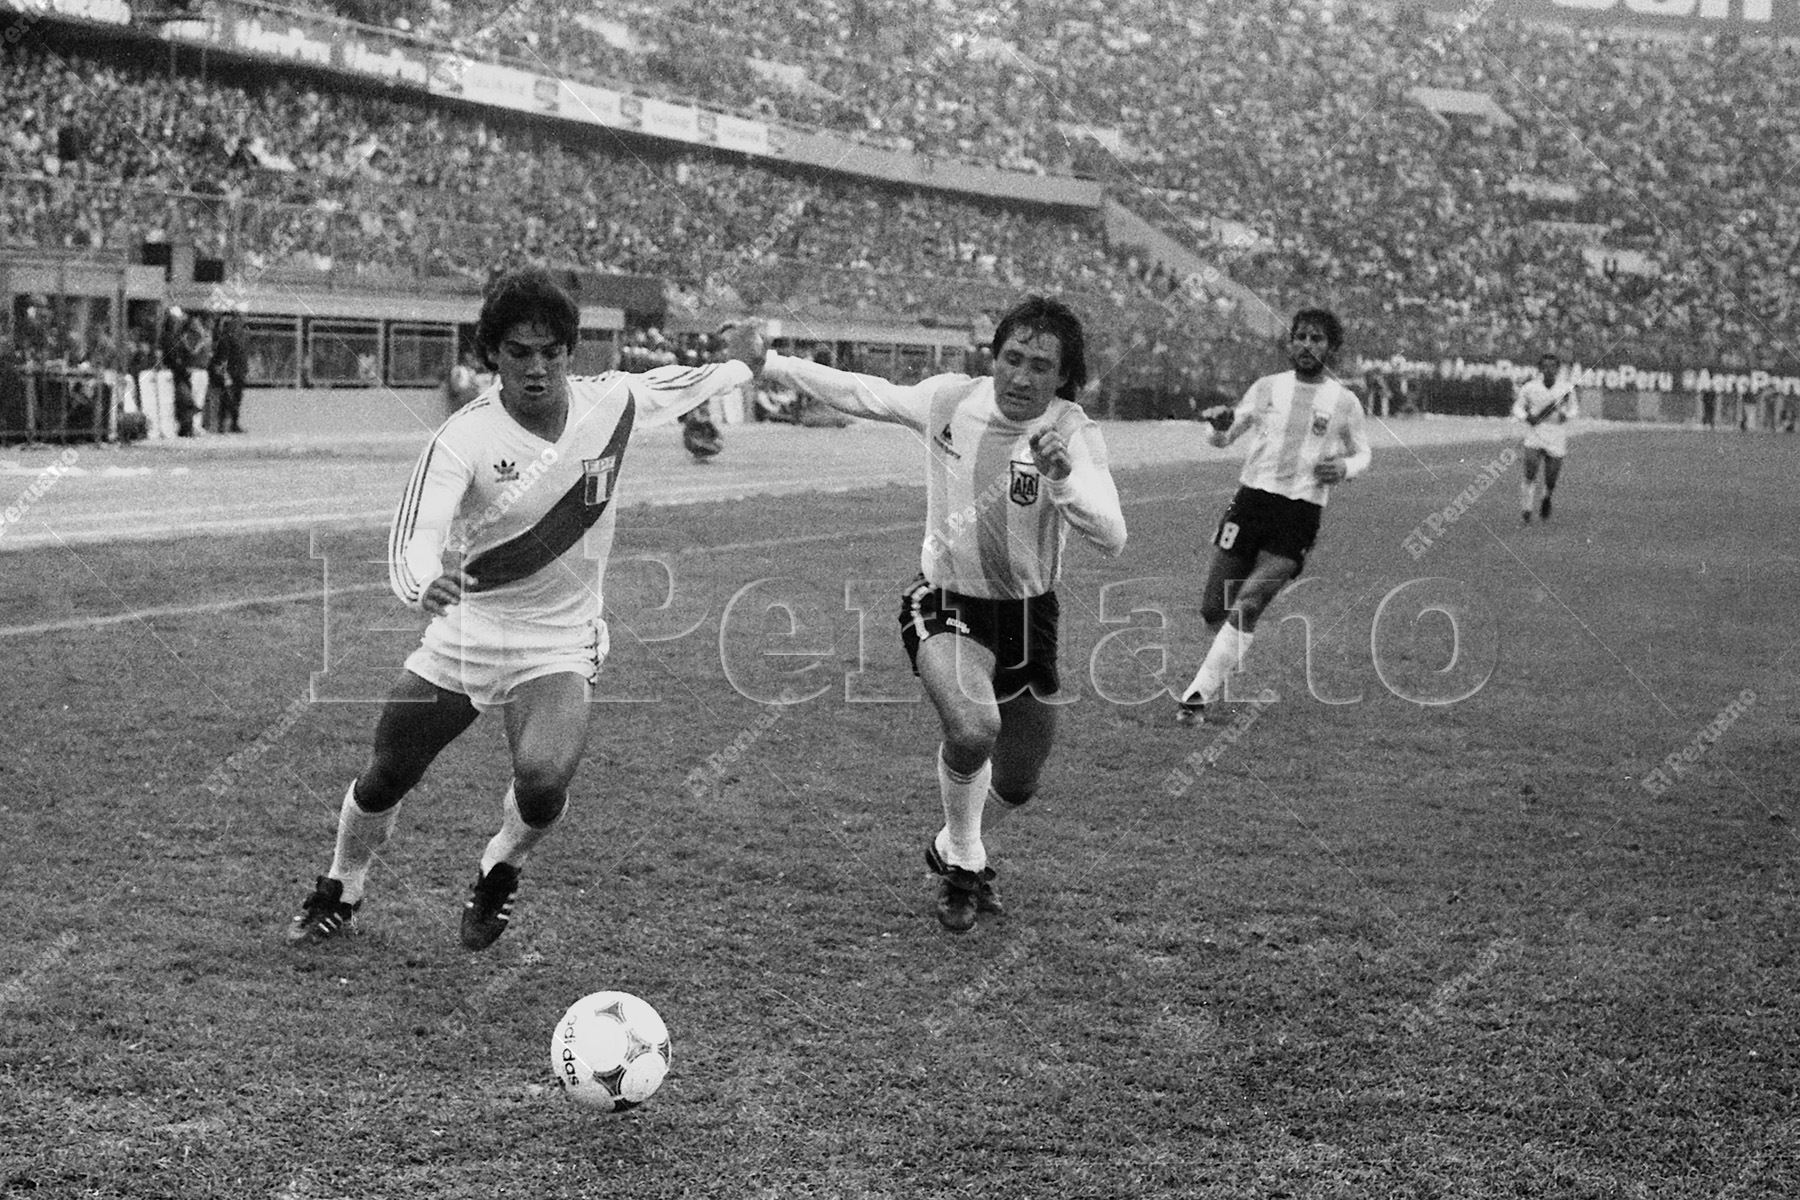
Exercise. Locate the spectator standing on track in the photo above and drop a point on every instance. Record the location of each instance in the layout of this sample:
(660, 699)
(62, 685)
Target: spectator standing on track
(155, 386)
(230, 366)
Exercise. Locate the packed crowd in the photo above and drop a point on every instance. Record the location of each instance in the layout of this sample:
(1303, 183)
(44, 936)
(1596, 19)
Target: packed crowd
(1296, 121)
(97, 146)
(279, 177)
(1280, 140)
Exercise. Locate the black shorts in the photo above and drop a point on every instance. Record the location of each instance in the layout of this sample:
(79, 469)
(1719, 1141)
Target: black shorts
(1258, 521)
(1020, 633)
(1536, 456)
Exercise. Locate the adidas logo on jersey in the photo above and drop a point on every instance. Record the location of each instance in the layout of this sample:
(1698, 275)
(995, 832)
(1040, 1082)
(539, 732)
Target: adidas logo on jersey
(946, 442)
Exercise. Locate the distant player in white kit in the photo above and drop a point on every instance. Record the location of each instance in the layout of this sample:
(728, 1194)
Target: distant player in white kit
(1546, 403)
(1012, 465)
(502, 537)
(1306, 433)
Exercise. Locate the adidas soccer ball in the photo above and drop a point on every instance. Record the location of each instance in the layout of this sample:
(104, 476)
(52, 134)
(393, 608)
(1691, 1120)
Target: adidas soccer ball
(610, 1051)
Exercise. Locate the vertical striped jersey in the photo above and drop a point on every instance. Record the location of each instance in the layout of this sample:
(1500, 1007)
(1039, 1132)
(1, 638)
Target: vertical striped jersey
(532, 520)
(1551, 435)
(994, 527)
(1293, 426)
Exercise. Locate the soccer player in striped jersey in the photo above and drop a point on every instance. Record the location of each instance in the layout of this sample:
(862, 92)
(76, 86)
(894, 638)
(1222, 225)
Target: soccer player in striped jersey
(1546, 404)
(1012, 464)
(1306, 432)
(502, 537)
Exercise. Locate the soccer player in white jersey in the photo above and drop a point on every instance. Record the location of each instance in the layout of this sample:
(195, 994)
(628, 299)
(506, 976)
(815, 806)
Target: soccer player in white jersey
(1546, 403)
(1306, 432)
(1012, 465)
(502, 538)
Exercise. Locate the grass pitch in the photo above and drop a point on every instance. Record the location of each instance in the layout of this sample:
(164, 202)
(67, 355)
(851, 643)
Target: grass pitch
(1346, 944)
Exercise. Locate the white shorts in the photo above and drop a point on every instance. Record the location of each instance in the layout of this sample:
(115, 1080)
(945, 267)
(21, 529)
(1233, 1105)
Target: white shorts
(485, 659)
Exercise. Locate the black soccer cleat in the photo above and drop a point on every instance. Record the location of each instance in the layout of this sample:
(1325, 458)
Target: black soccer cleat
(1544, 508)
(1525, 517)
(323, 916)
(962, 893)
(1191, 709)
(489, 906)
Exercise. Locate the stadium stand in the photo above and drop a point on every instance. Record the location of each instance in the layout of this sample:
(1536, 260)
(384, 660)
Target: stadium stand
(1630, 204)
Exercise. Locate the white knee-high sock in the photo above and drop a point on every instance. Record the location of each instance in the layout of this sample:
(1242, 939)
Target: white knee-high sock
(360, 834)
(959, 842)
(1528, 496)
(512, 845)
(1224, 657)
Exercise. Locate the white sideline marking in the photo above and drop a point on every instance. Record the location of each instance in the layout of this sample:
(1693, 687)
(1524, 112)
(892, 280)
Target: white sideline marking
(181, 610)
(218, 606)
(167, 529)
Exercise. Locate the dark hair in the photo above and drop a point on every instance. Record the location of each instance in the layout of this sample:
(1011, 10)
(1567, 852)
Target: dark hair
(1325, 319)
(1041, 314)
(527, 297)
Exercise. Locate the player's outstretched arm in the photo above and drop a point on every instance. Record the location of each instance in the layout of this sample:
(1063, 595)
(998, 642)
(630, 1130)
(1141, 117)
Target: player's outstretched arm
(665, 393)
(747, 342)
(867, 396)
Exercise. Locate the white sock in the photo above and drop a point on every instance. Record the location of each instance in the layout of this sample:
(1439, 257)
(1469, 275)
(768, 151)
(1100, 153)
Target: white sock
(1528, 496)
(512, 845)
(360, 834)
(1226, 655)
(959, 841)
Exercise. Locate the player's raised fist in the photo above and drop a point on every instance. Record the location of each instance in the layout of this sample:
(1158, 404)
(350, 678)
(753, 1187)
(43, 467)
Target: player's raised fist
(1051, 454)
(746, 341)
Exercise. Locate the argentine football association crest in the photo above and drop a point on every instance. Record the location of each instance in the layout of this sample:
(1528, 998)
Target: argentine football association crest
(1321, 422)
(1024, 483)
(597, 475)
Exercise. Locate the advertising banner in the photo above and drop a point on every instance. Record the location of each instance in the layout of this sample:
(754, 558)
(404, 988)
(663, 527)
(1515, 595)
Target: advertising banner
(100, 12)
(503, 87)
(1778, 17)
(294, 40)
(1612, 377)
(593, 105)
(392, 63)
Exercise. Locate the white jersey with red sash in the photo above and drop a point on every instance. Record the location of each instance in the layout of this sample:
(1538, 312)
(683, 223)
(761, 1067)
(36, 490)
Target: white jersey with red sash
(1554, 405)
(1295, 426)
(994, 527)
(532, 520)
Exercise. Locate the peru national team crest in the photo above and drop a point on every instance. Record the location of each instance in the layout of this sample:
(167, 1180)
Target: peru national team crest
(597, 475)
(1024, 483)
